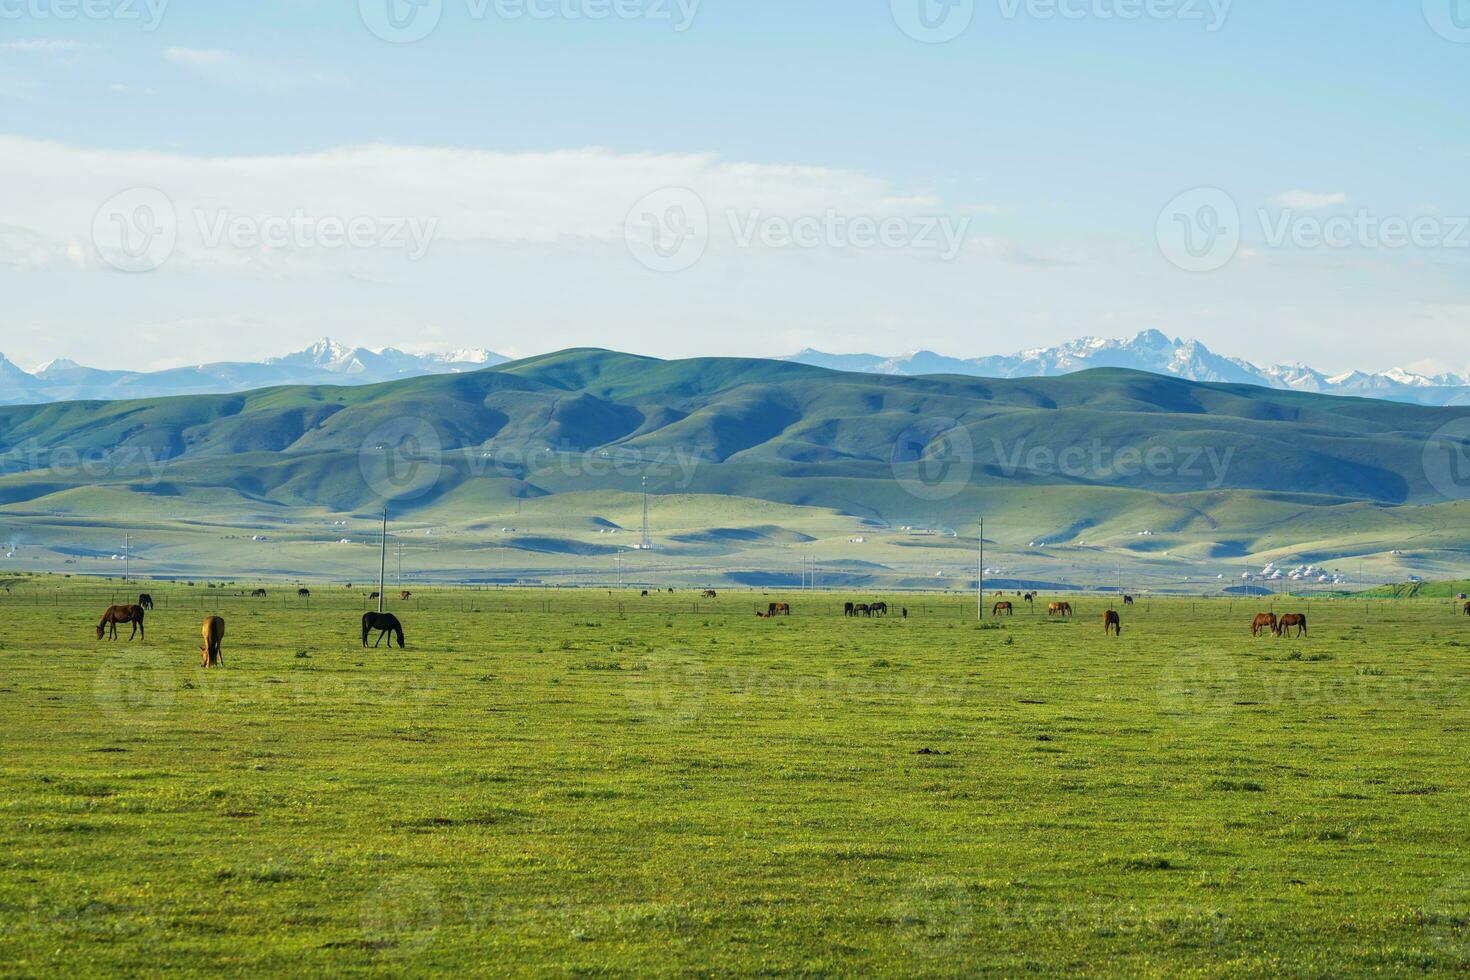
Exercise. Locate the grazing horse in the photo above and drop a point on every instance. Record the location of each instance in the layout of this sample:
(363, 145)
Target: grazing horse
(385, 624)
(303, 593)
(145, 600)
(213, 632)
(1062, 609)
(708, 593)
(849, 609)
(1003, 607)
(122, 614)
(258, 594)
(1467, 609)
(405, 596)
(1030, 597)
(1288, 621)
(1112, 623)
(778, 609)
(1264, 623)
(1127, 600)
(861, 609)
(878, 608)
(905, 612)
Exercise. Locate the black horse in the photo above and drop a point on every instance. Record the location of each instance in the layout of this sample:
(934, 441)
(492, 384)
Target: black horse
(145, 600)
(384, 623)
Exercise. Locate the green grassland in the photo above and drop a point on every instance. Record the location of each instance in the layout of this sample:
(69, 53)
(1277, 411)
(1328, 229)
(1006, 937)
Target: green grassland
(564, 781)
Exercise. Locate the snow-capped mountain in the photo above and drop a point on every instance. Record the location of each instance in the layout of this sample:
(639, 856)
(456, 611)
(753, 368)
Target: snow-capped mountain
(325, 362)
(1157, 353)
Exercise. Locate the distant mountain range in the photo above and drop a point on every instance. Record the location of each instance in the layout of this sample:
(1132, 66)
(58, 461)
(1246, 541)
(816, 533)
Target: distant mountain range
(1156, 353)
(330, 363)
(324, 362)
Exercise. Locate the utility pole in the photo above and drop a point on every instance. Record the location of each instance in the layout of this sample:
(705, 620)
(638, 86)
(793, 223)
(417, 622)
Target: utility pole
(980, 575)
(645, 544)
(383, 562)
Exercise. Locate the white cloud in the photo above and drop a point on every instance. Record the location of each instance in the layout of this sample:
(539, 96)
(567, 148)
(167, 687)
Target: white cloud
(1308, 200)
(567, 201)
(241, 71)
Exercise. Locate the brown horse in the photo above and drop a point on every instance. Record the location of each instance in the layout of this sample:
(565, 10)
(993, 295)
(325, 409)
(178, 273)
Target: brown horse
(1467, 609)
(1003, 607)
(405, 596)
(213, 632)
(778, 609)
(122, 614)
(708, 594)
(1112, 623)
(1265, 623)
(1063, 609)
(1288, 621)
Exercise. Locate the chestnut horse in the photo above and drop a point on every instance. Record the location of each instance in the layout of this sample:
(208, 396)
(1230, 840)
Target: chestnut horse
(1467, 609)
(122, 614)
(1063, 609)
(213, 632)
(1265, 623)
(1288, 621)
(1003, 607)
(1112, 623)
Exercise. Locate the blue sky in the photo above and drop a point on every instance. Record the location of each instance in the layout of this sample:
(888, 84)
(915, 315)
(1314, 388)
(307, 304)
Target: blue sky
(1053, 141)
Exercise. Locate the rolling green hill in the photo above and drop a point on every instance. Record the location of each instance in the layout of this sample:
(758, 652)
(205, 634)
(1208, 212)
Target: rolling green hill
(1214, 473)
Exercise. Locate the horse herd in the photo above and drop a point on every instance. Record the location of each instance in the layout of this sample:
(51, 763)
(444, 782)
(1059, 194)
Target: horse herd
(213, 629)
(386, 624)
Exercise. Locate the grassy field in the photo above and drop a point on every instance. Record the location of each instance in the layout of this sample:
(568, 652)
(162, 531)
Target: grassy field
(553, 782)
